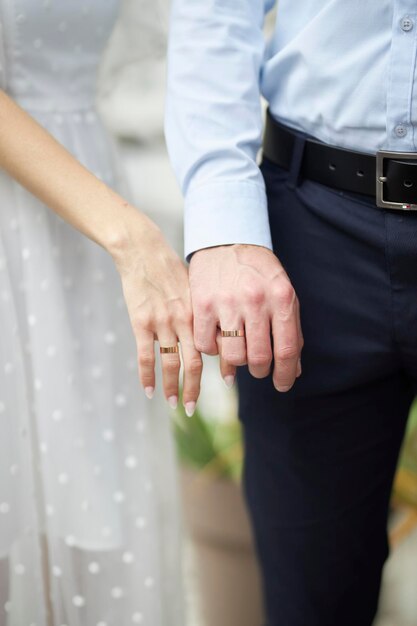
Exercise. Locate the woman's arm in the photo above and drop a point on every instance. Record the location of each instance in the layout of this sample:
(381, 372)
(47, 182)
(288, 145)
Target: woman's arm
(41, 164)
(154, 279)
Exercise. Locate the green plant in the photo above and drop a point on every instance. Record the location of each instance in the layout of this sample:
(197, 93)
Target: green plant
(215, 448)
(211, 446)
(405, 486)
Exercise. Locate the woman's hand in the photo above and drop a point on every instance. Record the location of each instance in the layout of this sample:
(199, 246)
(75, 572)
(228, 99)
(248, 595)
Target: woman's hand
(157, 294)
(154, 280)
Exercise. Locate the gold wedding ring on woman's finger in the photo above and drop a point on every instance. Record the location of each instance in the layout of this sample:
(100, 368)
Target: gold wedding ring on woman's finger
(168, 349)
(233, 333)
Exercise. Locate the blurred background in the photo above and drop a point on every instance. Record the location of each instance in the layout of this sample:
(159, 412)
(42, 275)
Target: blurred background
(220, 568)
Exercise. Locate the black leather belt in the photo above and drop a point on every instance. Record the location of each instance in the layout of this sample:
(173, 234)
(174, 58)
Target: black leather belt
(390, 177)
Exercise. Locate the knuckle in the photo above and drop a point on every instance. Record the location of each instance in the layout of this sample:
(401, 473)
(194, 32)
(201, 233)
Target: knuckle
(287, 353)
(285, 294)
(204, 305)
(194, 366)
(143, 319)
(260, 359)
(204, 344)
(163, 319)
(200, 345)
(234, 358)
(254, 295)
(208, 348)
(185, 317)
(146, 359)
(180, 311)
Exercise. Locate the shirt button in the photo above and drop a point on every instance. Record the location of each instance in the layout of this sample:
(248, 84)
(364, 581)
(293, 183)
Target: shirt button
(401, 130)
(406, 23)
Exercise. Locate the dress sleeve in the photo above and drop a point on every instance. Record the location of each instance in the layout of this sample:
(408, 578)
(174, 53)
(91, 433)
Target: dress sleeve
(213, 120)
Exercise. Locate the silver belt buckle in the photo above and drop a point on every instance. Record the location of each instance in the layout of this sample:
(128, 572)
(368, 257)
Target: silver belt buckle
(381, 155)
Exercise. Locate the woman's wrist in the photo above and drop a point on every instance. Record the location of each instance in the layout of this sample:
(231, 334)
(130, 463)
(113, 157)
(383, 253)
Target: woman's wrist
(133, 233)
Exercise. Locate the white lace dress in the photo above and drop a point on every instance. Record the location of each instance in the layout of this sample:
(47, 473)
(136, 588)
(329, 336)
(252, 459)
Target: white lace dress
(88, 526)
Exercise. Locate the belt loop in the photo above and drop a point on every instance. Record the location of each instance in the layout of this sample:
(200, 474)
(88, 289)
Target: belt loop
(296, 160)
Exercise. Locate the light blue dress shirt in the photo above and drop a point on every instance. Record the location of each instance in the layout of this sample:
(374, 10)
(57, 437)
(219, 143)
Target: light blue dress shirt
(343, 71)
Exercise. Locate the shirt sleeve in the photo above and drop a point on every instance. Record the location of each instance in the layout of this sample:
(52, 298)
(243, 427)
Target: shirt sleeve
(213, 120)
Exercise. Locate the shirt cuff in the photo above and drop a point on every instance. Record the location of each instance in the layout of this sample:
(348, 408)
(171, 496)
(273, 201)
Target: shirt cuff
(223, 213)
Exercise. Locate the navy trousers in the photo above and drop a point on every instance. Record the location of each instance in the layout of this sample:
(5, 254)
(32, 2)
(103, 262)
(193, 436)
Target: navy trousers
(320, 459)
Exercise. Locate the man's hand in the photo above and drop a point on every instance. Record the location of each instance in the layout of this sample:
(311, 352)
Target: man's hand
(243, 286)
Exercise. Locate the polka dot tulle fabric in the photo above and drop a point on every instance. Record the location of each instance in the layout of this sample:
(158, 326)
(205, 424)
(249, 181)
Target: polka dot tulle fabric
(88, 521)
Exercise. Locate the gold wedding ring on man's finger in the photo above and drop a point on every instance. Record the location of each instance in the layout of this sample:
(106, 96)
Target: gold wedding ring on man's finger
(233, 333)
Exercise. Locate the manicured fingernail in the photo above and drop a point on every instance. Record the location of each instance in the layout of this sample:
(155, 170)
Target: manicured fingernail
(190, 408)
(229, 380)
(173, 401)
(149, 391)
(299, 370)
(284, 387)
